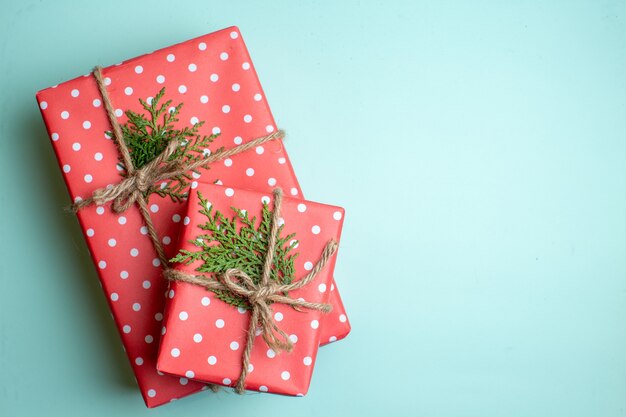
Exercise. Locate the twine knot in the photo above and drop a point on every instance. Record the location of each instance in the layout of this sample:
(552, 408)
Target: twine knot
(262, 294)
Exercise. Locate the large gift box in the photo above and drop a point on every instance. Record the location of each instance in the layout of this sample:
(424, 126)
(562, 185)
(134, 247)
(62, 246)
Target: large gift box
(204, 331)
(214, 90)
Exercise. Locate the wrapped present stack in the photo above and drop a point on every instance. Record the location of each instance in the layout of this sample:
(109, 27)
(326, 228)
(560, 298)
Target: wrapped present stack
(216, 270)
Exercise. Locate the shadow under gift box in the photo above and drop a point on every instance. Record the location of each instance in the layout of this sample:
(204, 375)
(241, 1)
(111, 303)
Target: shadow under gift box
(214, 78)
(204, 337)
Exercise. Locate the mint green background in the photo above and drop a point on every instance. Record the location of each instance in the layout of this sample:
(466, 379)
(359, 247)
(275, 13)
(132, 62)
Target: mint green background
(479, 149)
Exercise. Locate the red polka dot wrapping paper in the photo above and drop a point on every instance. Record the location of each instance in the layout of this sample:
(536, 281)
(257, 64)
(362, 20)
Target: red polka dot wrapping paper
(214, 77)
(204, 337)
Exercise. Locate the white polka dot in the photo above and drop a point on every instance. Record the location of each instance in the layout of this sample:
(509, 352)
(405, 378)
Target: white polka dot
(247, 118)
(197, 338)
(182, 89)
(154, 208)
(212, 360)
(175, 352)
(308, 265)
(307, 361)
(294, 191)
(67, 168)
(151, 393)
(258, 97)
(337, 215)
(143, 230)
(136, 306)
(265, 199)
(119, 113)
(224, 56)
(281, 221)
(285, 375)
(171, 294)
(107, 81)
(170, 58)
(100, 210)
(192, 67)
(96, 102)
(315, 324)
(121, 220)
(263, 388)
(76, 146)
(250, 172)
(321, 287)
(204, 99)
(293, 338)
(301, 207)
(234, 345)
(332, 339)
(90, 232)
(134, 252)
(115, 296)
(138, 69)
(176, 218)
(55, 136)
(259, 150)
(98, 156)
(234, 35)
(250, 368)
(219, 323)
(183, 315)
(278, 316)
(124, 274)
(88, 178)
(75, 93)
(269, 128)
(315, 230)
(226, 108)
(149, 339)
(343, 318)
(86, 124)
(245, 65)
(214, 77)
(160, 79)
(229, 192)
(102, 264)
(163, 330)
(236, 87)
(158, 316)
(186, 220)
(43, 105)
(182, 381)
(202, 46)
(194, 120)
(146, 284)
(190, 374)
(271, 182)
(205, 301)
(167, 240)
(128, 91)
(227, 381)
(126, 329)
(216, 130)
(112, 242)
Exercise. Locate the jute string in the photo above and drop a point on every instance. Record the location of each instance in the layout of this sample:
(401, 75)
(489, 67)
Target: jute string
(134, 187)
(260, 296)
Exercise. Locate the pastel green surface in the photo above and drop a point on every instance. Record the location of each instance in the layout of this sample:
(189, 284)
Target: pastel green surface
(478, 148)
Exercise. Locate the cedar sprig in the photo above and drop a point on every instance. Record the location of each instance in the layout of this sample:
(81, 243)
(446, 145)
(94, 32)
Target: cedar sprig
(238, 242)
(147, 137)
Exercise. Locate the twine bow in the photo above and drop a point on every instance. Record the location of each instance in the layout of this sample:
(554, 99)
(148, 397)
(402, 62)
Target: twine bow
(260, 296)
(133, 189)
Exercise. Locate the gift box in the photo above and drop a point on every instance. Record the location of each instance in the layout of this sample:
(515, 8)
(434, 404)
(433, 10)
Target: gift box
(204, 331)
(213, 77)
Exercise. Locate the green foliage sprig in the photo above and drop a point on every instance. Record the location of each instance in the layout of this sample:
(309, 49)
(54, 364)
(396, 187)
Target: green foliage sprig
(239, 243)
(147, 137)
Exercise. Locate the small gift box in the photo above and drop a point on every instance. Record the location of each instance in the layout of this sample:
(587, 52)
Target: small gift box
(213, 100)
(229, 309)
